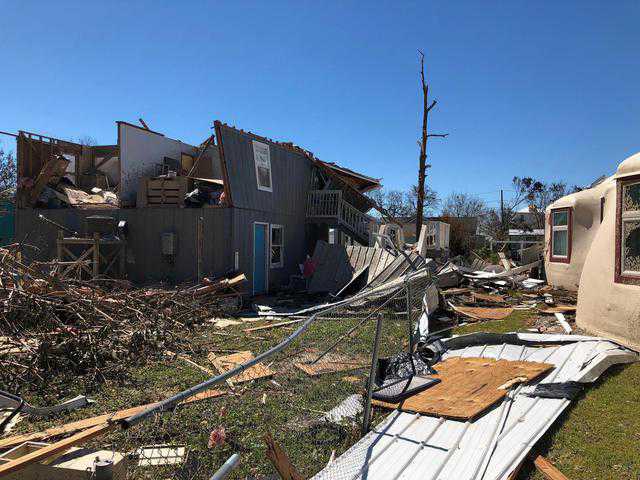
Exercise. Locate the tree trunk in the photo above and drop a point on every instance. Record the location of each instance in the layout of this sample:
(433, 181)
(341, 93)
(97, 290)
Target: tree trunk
(422, 169)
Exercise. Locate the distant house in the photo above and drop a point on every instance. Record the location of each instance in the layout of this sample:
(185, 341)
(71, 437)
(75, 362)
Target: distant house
(258, 206)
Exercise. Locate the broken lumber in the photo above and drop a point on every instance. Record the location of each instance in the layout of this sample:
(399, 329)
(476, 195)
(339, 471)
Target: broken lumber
(547, 469)
(273, 325)
(482, 313)
(280, 460)
(54, 448)
(229, 362)
(54, 167)
(72, 427)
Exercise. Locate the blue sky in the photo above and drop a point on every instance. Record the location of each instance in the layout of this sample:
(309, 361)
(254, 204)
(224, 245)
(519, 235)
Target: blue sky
(544, 89)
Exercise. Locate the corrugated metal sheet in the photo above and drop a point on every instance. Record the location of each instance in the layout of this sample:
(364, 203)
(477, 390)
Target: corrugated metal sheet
(412, 446)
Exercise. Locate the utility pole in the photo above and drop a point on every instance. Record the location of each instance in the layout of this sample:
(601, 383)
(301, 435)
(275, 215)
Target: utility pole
(502, 210)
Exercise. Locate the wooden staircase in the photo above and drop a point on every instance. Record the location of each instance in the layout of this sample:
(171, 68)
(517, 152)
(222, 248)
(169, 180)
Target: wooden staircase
(329, 207)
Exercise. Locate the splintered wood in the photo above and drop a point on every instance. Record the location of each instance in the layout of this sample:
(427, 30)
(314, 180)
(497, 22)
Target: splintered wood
(469, 386)
(332, 362)
(483, 313)
(229, 362)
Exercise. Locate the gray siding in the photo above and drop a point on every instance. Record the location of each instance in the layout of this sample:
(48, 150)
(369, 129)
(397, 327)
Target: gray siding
(290, 175)
(145, 262)
(294, 243)
(286, 205)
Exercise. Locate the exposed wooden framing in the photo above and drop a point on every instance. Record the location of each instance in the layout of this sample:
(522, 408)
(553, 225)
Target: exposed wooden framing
(93, 250)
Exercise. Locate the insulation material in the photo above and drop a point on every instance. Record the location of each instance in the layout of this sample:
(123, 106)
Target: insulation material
(413, 446)
(469, 386)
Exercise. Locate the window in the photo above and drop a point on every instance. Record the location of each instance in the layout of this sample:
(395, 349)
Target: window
(601, 209)
(628, 232)
(277, 242)
(262, 160)
(560, 235)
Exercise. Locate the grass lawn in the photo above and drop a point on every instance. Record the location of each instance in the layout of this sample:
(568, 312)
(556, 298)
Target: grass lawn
(598, 438)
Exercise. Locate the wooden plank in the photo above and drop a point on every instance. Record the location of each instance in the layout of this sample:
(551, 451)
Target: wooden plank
(280, 460)
(547, 469)
(72, 427)
(203, 396)
(469, 386)
(229, 362)
(487, 297)
(53, 168)
(558, 309)
(273, 325)
(55, 448)
(483, 313)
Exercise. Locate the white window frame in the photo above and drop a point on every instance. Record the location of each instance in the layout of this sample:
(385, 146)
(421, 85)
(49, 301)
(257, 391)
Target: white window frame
(627, 216)
(262, 158)
(279, 264)
(557, 228)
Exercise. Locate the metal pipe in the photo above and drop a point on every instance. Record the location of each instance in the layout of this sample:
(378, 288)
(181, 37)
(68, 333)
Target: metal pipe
(366, 417)
(175, 399)
(225, 469)
(55, 224)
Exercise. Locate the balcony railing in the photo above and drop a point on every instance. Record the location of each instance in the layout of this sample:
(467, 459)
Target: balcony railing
(328, 204)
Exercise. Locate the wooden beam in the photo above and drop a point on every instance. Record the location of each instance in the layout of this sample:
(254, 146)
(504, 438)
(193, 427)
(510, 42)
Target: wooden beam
(72, 427)
(54, 167)
(54, 449)
(546, 468)
(280, 460)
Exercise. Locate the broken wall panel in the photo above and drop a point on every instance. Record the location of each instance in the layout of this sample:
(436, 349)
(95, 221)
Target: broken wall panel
(142, 150)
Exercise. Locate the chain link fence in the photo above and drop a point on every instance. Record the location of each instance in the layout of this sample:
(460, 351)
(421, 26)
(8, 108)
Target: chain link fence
(319, 365)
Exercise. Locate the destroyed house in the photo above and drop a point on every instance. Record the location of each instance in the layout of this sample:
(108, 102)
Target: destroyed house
(159, 209)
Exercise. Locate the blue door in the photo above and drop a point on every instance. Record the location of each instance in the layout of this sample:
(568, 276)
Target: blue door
(259, 258)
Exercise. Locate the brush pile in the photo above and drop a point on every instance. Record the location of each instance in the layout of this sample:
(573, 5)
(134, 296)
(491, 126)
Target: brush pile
(92, 327)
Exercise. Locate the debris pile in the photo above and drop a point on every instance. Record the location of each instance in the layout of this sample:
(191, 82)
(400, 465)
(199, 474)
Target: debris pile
(93, 327)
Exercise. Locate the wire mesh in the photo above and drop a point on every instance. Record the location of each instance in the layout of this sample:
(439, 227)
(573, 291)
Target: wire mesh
(317, 371)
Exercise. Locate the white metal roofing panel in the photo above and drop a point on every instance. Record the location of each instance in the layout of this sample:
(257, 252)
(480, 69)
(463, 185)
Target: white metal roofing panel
(411, 446)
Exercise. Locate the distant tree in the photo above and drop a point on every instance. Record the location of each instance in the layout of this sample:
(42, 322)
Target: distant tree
(8, 175)
(537, 196)
(399, 203)
(463, 205)
(87, 140)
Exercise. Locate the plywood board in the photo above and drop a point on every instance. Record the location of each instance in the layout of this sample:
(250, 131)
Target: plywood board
(483, 313)
(229, 362)
(469, 386)
(558, 309)
(330, 363)
(487, 297)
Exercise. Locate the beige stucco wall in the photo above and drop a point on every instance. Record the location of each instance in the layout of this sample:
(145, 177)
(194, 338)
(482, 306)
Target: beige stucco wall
(604, 307)
(585, 223)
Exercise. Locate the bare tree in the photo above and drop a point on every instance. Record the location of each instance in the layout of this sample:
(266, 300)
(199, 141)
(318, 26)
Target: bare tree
(7, 175)
(399, 203)
(87, 141)
(536, 195)
(463, 205)
(422, 168)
